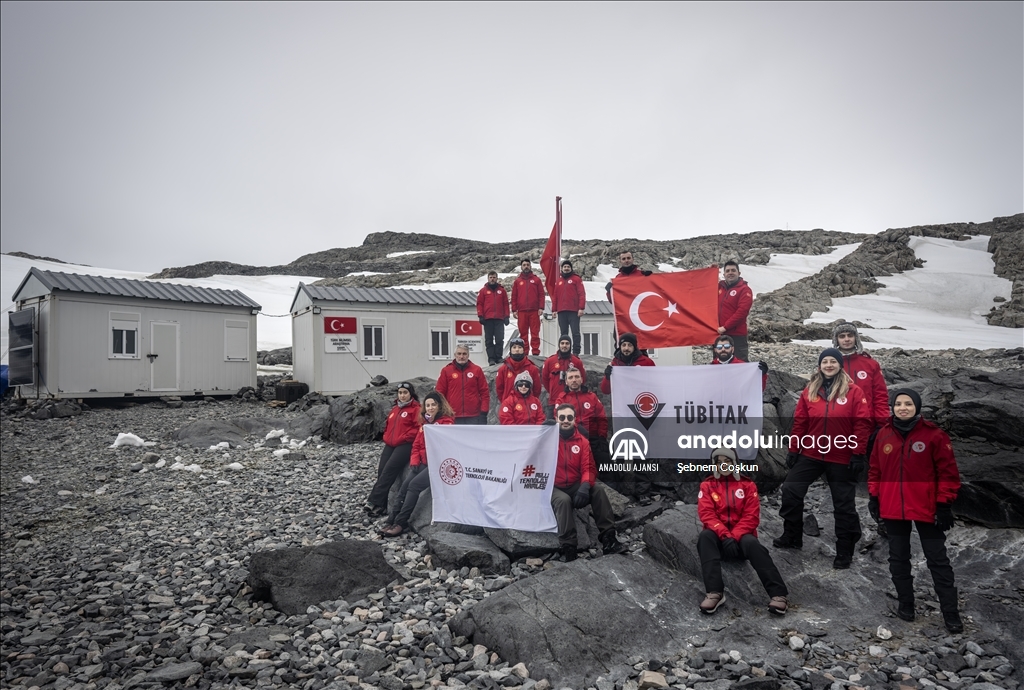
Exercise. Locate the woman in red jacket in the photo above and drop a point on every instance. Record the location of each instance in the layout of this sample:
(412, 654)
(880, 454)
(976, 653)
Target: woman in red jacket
(435, 410)
(730, 511)
(521, 407)
(399, 432)
(831, 426)
(913, 480)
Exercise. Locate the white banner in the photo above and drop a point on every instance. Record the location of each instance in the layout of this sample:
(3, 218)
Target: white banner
(493, 476)
(685, 412)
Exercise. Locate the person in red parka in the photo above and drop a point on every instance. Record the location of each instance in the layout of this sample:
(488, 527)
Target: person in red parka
(552, 374)
(492, 310)
(576, 487)
(435, 410)
(734, 301)
(399, 432)
(725, 354)
(521, 407)
(568, 301)
(913, 480)
(730, 510)
(527, 304)
(591, 419)
(864, 370)
(628, 355)
(829, 436)
(516, 363)
(464, 384)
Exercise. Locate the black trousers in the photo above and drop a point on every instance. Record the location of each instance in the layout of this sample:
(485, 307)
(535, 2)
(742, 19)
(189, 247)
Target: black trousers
(567, 320)
(393, 460)
(494, 339)
(933, 543)
(561, 504)
(709, 547)
(843, 486)
(475, 419)
(410, 492)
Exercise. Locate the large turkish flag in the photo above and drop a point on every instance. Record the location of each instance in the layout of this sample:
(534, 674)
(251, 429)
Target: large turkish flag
(339, 324)
(668, 309)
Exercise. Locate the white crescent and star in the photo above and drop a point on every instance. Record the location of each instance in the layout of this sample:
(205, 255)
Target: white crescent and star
(634, 311)
(463, 327)
(334, 324)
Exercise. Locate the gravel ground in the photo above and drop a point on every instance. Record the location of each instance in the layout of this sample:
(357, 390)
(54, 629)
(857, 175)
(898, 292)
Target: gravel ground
(118, 571)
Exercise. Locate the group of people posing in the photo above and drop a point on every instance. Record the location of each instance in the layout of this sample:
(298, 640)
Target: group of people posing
(911, 472)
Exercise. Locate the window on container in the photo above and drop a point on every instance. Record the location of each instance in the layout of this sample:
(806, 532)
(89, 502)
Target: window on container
(440, 339)
(373, 341)
(591, 343)
(236, 341)
(124, 335)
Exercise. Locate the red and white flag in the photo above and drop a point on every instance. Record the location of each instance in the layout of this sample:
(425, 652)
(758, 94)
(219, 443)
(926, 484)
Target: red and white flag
(668, 309)
(468, 328)
(339, 324)
(551, 257)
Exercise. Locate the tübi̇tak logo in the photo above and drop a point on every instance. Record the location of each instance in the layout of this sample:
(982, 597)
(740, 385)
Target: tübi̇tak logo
(646, 408)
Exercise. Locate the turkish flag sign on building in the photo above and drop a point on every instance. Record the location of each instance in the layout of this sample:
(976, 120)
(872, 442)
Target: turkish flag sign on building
(339, 324)
(668, 309)
(468, 328)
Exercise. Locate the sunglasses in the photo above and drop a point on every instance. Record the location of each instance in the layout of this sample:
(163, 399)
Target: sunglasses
(523, 385)
(566, 417)
(723, 346)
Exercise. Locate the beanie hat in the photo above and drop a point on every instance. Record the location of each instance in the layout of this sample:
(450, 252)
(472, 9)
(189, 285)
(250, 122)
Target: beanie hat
(627, 338)
(566, 262)
(516, 341)
(912, 394)
(830, 352)
(524, 377)
(847, 327)
(729, 453)
(564, 338)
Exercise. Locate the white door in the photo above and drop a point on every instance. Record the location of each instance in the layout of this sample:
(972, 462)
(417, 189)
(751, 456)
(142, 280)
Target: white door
(163, 356)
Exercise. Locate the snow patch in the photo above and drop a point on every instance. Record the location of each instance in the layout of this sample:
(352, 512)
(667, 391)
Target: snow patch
(127, 440)
(394, 255)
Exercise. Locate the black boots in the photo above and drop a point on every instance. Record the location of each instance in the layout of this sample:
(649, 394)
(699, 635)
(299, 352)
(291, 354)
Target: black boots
(788, 541)
(569, 552)
(610, 544)
(953, 622)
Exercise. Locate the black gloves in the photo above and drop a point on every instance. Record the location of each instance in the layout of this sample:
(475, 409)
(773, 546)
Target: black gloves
(481, 319)
(416, 469)
(876, 513)
(608, 371)
(646, 273)
(582, 497)
(763, 366)
(731, 549)
(483, 416)
(858, 463)
(791, 459)
(506, 320)
(944, 516)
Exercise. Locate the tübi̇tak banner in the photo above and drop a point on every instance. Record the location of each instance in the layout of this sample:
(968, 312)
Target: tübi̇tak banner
(685, 412)
(493, 476)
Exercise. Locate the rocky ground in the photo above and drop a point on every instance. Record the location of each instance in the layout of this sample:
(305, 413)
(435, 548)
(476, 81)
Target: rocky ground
(127, 567)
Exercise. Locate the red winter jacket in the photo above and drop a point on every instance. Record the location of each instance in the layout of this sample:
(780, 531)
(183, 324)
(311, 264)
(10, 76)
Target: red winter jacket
(528, 293)
(734, 304)
(569, 294)
(737, 360)
(507, 373)
(729, 507)
(867, 374)
(910, 475)
(552, 376)
(492, 304)
(575, 462)
(590, 412)
(640, 361)
(419, 446)
(517, 410)
(465, 389)
(402, 425)
(848, 417)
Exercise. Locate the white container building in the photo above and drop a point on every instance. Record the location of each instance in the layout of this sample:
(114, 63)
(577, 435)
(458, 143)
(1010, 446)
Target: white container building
(82, 336)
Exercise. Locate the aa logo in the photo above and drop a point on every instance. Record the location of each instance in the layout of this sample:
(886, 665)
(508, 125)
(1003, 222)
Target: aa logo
(646, 408)
(629, 445)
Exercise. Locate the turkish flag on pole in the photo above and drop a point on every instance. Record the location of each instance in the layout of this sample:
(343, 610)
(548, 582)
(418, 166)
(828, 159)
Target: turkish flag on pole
(551, 257)
(668, 309)
(339, 324)
(468, 327)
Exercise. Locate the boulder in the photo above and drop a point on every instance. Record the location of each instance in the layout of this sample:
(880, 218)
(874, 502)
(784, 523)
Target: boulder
(294, 579)
(360, 417)
(455, 551)
(518, 544)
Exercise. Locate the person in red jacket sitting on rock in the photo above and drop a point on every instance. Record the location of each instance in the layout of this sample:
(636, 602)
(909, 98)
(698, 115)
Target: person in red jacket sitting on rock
(464, 384)
(515, 364)
(527, 304)
(628, 355)
(552, 375)
(521, 407)
(492, 310)
(435, 410)
(829, 436)
(568, 301)
(730, 510)
(913, 480)
(575, 487)
(724, 354)
(734, 301)
(400, 431)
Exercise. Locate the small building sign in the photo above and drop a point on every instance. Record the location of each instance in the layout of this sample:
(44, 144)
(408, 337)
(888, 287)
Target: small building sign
(470, 334)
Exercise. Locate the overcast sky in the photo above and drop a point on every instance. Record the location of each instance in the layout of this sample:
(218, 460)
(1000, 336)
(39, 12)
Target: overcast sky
(147, 135)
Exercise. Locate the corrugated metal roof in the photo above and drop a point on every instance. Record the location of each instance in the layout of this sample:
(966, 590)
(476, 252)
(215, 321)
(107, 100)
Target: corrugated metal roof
(599, 308)
(144, 289)
(444, 298)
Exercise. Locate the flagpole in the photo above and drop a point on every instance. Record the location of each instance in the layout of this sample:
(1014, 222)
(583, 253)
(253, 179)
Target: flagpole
(558, 222)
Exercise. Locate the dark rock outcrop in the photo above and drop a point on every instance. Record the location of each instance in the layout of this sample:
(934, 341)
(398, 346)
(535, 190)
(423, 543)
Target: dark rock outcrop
(294, 579)
(361, 416)
(454, 551)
